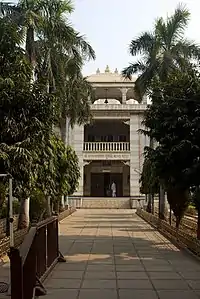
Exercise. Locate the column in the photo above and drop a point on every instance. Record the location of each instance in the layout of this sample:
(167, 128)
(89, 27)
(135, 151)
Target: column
(78, 140)
(134, 159)
(126, 179)
(143, 141)
(144, 100)
(124, 92)
(87, 184)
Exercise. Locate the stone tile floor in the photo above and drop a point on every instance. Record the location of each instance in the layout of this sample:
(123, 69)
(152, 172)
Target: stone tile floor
(113, 254)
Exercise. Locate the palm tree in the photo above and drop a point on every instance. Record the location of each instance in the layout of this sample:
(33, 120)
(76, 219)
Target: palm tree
(56, 52)
(61, 52)
(162, 50)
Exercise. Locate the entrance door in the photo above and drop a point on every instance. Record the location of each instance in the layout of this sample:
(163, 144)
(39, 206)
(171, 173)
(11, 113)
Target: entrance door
(107, 185)
(97, 184)
(101, 184)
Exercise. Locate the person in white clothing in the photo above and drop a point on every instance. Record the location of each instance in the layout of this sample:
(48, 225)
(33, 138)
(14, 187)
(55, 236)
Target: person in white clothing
(113, 189)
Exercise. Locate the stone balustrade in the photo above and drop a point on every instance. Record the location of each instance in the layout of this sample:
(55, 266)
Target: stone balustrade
(106, 146)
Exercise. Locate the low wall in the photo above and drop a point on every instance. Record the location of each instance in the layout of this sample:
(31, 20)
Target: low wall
(18, 239)
(20, 234)
(66, 213)
(137, 203)
(179, 237)
(3, 223)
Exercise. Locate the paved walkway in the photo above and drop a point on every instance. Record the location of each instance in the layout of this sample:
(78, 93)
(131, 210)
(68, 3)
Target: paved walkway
(113, 254)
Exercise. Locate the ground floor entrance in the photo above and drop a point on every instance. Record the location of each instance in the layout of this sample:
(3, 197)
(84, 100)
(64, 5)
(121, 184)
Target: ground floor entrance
(99, 176)
(101, 184)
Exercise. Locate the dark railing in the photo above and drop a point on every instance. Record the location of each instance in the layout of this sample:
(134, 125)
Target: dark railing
(32, 262)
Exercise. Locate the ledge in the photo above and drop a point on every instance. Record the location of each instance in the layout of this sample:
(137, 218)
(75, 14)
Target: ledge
(66, 213)
(106, 156)
(179, 237)
(119, 107)
(20, 234)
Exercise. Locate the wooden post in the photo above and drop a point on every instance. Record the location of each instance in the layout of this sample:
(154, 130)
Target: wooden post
(16, 274)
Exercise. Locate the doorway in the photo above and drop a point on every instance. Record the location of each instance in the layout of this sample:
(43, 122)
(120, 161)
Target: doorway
(101, 184)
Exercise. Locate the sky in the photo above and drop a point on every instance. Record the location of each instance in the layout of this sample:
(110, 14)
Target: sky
(110, 25)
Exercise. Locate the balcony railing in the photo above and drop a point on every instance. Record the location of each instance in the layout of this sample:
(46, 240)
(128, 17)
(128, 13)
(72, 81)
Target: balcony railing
(106, 146)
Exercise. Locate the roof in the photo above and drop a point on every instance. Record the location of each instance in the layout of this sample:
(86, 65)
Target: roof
(108, 77)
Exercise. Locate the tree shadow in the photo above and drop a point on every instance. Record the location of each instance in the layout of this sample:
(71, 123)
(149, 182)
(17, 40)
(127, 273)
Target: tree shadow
(98, 254)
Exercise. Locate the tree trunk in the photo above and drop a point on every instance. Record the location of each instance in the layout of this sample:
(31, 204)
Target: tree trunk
(149, 204)
(49, 206)
(198, 225)
(64, 130)
(62, 203)
(30, 47)
(152, 203)
(162, 203)
(24, 214)
(170, 216)
(178, 221)
(57, 205)
(178, 199)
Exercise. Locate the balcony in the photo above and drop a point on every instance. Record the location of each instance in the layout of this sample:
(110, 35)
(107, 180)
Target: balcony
(117, 147)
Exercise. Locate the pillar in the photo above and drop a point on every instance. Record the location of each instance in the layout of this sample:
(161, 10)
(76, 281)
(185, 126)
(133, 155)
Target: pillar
(134, 158)
(126, 179)
(78, 140)
(124, 92)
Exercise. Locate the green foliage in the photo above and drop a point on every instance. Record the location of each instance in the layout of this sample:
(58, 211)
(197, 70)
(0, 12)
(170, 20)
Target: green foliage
(162, 51)
(25, 133)
(149, 181)
(67, 168)
(58, 173)
(73, 170)
(39, 86)
(38, 206)
(4, 209)
(173, 121)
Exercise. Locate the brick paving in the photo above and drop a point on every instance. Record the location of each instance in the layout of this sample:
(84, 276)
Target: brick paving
(4, 273)
(113, 254)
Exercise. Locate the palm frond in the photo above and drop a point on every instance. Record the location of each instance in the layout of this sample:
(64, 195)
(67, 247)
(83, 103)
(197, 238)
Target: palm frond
(133, 68)
(142, 44)
(187, 49)
(86, 49)
(161, 32)
(177, 23)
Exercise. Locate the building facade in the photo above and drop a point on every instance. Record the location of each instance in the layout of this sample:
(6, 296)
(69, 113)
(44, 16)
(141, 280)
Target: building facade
(110, 148)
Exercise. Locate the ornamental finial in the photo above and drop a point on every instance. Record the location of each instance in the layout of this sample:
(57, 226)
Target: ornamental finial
(107, 70)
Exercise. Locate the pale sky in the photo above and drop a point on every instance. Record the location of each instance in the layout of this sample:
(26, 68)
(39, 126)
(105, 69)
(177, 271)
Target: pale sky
(109, 26)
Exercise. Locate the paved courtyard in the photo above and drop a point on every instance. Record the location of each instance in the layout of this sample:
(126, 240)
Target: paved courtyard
(113, 254)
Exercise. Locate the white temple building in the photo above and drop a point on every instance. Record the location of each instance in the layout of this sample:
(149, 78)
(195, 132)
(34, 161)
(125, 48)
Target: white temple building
(110, 148)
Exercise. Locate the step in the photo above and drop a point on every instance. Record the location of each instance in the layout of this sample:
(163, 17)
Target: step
(106, 203)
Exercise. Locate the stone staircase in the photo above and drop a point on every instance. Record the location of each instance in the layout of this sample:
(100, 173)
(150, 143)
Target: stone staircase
(106, 202)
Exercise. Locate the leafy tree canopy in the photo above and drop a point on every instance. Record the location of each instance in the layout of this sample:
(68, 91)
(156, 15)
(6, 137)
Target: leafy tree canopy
(173, 121)
(162, 50)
